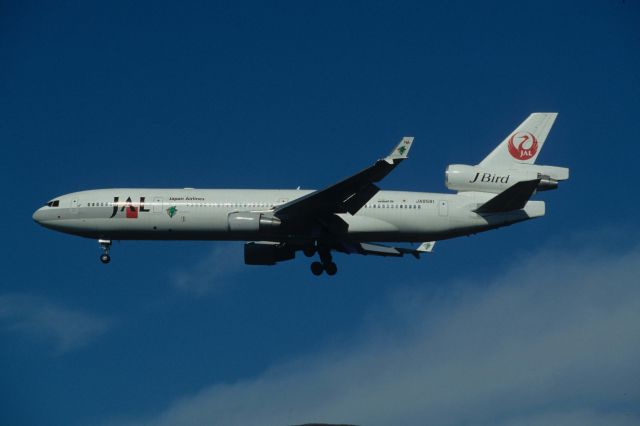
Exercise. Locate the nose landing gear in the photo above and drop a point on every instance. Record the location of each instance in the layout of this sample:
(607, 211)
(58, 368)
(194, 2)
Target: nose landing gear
(326, 264)
(105, 245)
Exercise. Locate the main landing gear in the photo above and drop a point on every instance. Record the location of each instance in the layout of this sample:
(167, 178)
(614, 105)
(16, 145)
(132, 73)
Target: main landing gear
(105, 245)
(326, 264)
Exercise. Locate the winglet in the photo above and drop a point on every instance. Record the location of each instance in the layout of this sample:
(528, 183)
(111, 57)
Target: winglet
(426, 247)
(401, 151)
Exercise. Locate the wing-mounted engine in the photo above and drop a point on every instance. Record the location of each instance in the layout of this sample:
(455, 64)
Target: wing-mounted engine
(252, 221)
(267, 253)
(461, 177)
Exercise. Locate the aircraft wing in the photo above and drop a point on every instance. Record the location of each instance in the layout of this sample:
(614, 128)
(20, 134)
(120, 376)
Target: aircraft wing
(382, 250)
(349, 195)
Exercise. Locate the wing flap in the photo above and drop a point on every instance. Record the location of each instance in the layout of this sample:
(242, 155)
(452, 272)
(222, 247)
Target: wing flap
(359, 199)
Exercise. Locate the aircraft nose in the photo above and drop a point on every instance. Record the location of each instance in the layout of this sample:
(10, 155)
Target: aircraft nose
(37, 215)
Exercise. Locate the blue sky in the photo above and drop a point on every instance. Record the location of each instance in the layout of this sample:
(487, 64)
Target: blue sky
(535, 323)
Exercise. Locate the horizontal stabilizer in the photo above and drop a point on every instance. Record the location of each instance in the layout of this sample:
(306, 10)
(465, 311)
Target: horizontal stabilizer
(513, 198)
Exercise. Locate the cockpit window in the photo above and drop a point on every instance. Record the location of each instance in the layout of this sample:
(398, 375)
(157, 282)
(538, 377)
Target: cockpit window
(54, 203)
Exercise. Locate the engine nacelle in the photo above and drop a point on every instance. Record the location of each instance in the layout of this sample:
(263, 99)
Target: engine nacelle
(252, 221)
(267, 253)
(461, 177)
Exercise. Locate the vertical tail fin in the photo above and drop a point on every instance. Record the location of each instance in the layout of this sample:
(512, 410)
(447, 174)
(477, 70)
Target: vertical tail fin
(524, 144)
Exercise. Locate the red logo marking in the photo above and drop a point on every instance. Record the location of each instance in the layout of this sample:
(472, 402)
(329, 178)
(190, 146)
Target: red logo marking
(522, 145)
(132, 212)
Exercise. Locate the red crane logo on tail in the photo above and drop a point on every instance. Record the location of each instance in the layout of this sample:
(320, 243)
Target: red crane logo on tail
(522, 145)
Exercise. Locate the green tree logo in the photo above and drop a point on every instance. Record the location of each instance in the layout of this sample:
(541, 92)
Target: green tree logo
(171, 211)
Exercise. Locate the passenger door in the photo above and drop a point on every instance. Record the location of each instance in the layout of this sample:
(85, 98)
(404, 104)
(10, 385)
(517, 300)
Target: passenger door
(443, 208)
(157, 205)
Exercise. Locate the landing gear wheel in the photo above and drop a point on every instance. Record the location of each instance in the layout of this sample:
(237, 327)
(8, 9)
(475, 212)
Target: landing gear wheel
(309, 251)
(105, 245)
(325, 256)
(317, 268)
(331, 268)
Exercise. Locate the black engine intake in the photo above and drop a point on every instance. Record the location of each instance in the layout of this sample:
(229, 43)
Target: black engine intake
(267, 253)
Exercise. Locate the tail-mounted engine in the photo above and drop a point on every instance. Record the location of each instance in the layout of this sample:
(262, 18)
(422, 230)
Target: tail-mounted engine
(460, 177)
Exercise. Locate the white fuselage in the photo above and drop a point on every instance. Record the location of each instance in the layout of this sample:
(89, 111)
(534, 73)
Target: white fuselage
(203, 214)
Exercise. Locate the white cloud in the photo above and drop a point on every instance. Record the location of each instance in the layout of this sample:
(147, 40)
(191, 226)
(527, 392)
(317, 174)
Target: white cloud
(211, 272)
(554, 340)
(67, 329)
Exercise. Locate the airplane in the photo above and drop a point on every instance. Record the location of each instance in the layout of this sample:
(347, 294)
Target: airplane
(352, 216)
